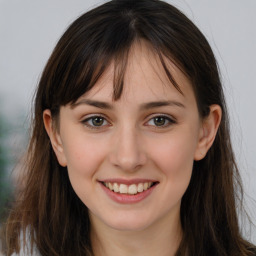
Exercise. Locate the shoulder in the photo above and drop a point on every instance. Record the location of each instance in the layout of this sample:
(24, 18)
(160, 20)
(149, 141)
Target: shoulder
(25, 246)
(26, 251)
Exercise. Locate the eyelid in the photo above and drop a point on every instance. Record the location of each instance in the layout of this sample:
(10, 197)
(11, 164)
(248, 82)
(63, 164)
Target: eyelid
(172, 120)
(85, 120)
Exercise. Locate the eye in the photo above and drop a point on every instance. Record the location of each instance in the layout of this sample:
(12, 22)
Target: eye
(160, 121)
(95, 122)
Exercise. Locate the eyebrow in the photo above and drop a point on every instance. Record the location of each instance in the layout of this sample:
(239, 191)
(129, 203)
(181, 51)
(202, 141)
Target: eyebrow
(156, 104)
(144, 106)
(94, 103)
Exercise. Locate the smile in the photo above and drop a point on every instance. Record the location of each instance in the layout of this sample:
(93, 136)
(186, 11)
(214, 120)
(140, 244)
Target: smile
(131, 189)
(128, 191)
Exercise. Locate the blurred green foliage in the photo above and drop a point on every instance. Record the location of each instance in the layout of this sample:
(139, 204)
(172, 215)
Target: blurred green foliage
(5, 184)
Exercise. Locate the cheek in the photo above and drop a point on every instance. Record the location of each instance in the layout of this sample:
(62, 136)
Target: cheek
(175, 161)
(174, 156)
(83, 161)
(83, 156)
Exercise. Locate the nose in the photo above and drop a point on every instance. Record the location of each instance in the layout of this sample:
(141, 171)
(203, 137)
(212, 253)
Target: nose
(127, 151)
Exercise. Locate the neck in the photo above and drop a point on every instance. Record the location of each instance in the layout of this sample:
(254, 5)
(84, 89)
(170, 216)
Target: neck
(158, 239)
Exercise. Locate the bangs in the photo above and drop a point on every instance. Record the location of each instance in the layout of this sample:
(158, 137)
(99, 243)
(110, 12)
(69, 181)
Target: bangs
(99, 39)
(83, 68)
(85, 71)
(120, 62)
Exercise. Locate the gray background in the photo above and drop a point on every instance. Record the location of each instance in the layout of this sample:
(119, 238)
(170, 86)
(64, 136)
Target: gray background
(29, 29)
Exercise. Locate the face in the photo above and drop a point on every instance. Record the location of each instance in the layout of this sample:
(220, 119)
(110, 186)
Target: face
(130, 161)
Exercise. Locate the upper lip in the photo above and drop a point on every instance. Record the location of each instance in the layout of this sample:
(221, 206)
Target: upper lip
(127, 182)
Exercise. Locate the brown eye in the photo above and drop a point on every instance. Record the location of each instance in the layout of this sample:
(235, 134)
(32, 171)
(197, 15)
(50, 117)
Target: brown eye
(97, 121)
(160, 121)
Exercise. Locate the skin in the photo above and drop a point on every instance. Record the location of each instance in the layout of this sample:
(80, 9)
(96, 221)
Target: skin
(130, 144)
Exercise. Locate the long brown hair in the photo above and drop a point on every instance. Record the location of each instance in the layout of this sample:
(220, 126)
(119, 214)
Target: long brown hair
(48, 207)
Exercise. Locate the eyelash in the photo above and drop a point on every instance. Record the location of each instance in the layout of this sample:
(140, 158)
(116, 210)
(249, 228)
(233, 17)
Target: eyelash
(168, 121)
(90, 119)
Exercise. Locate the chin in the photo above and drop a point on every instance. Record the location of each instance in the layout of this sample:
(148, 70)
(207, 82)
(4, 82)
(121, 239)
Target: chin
(129, 223)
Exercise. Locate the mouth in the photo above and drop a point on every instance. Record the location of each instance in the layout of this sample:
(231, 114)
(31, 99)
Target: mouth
(129, 189)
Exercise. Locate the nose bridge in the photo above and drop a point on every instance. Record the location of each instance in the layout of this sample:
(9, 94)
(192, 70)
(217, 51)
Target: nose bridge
(127, 152)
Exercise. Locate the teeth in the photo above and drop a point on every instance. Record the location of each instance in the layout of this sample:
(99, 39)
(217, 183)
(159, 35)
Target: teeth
(140, 187)
(116, 187)
(132, 189)
(128, 189)
(110, 186)
(123, 189)
(145, 185)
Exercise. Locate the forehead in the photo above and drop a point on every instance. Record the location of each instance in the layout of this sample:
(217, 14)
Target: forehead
(145, 77)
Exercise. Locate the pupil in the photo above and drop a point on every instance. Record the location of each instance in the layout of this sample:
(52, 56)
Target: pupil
(97, 121)
(159, 121)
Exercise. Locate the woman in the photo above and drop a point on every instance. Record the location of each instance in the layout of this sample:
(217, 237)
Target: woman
(130, 152)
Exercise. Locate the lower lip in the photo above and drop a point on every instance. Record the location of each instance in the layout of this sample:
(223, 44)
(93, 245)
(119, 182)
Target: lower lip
(125, 198)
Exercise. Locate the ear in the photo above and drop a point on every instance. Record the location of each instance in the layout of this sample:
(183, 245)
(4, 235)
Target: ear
(54, 137)
(208, 130)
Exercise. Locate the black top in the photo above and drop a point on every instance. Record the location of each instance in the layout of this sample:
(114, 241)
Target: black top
(253, 251)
